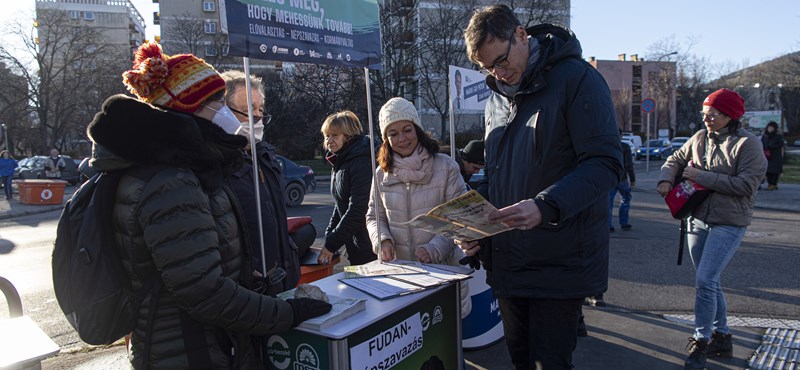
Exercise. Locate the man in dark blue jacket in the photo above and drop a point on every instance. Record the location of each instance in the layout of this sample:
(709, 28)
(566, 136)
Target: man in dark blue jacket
(552, 156)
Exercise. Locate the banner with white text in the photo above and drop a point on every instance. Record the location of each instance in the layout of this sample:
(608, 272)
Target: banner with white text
(334, 32)
(468, 89)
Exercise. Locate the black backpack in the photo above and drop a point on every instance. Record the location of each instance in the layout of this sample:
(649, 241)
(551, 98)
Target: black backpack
(90, 283)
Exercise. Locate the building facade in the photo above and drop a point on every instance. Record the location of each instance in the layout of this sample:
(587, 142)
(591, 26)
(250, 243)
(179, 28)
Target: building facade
(635, 79)
(195, 26)
(118, 20)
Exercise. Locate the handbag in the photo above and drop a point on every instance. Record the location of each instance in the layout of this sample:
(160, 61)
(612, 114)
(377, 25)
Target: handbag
(767, 153)
(685, 197)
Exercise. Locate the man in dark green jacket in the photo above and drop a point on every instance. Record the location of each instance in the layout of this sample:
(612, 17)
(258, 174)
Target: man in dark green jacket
(552, 155)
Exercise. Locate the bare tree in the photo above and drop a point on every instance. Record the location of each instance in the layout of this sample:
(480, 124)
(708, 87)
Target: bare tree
(196, 36)
(399, 50)
(622, 105)
(533, 12)
(66, 70)
(441, 46)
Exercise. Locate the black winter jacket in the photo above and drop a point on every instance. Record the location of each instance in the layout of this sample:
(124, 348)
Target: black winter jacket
(277, 248)
(182, 224)
(555, 141)
(351, 180)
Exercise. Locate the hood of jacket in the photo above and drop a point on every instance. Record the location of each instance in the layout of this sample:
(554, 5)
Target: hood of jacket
(128, 132)
(555, 43)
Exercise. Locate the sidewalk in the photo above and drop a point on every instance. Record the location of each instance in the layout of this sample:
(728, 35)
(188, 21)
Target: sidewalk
(619, 338)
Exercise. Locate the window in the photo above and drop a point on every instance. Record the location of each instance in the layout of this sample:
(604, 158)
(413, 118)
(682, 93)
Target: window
(211, 51)
(209, 6)
(74, 14)
(89, 16)
(210, 27)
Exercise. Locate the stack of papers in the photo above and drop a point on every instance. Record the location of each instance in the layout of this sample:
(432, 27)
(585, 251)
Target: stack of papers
(413, 277)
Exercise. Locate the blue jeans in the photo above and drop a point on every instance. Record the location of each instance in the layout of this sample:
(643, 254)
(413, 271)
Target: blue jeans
(711, 248)
(7, 185)
(624, 189)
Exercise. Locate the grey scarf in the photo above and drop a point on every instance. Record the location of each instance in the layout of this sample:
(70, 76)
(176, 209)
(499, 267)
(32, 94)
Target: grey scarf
(533, 57)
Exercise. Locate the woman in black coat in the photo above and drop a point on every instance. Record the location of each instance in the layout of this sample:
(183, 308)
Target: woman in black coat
(773, 150)
(351, 178)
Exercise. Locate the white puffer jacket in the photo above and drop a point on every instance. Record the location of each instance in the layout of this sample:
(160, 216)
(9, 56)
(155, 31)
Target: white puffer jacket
(400, 202)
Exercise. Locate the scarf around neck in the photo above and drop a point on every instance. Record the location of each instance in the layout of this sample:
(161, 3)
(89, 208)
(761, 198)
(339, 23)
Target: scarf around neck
(416, 168)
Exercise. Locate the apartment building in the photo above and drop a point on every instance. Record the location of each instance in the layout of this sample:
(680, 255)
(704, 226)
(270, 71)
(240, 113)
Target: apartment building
(118, 20)
(194, 26)
(634, 79)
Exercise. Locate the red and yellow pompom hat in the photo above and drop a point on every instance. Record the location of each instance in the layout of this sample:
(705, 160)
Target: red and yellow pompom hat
(181, 82)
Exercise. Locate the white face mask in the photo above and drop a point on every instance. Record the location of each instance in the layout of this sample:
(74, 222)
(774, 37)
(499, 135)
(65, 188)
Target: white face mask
(224, 118)
(258, 127)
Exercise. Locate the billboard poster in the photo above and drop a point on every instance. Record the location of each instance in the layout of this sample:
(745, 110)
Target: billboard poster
(468, 90)
(759, 119)
(333, 32)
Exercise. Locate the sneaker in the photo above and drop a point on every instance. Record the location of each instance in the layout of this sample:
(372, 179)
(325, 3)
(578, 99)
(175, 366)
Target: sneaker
(611, 229)
(626, 227)
(596, 301)
(582, 332)
(697, 354)
(721, 345)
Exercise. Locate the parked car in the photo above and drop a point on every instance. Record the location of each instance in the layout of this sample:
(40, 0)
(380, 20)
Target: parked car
(635, 139)
(678, 141)
(33, 168)
(299, 181)
(796, 142)
(658, 149)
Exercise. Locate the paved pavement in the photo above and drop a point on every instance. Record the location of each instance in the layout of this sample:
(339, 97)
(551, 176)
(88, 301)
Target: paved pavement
(619, 338)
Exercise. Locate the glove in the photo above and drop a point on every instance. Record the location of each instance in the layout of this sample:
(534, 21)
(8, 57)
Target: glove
(473, 261)
(307, 308)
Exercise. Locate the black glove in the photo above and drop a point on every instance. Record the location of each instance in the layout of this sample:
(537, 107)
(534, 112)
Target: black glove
(306, 308)
(473, 261)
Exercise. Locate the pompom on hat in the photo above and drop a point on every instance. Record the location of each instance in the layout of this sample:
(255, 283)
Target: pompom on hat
(726, 101)
(397, 109)
(181, 82)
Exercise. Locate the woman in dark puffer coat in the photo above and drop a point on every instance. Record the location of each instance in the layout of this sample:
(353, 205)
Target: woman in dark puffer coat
(181, 222)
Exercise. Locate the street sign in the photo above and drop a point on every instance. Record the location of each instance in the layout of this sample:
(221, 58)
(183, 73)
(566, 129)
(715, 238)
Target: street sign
(648, 105)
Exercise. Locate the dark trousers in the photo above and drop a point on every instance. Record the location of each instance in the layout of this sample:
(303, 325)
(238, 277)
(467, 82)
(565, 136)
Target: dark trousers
(7, 185)
(540, 334)
(772, 178)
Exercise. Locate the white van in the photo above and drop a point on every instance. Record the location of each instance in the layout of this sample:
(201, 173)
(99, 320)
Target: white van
(635, 139)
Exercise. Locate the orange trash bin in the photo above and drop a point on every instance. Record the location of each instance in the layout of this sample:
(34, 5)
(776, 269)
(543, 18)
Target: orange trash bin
(41, 192)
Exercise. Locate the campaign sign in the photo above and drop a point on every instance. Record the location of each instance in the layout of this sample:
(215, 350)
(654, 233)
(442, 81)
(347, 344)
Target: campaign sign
(334, 32)
(468, 90)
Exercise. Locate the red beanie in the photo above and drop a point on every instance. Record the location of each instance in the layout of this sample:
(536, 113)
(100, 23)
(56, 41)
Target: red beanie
(726, 101)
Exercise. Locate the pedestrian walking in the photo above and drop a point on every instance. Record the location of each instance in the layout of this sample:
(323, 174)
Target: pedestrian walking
(624, 188)
(552, 156)
(729, 161)
(773, 150)
(7, 166)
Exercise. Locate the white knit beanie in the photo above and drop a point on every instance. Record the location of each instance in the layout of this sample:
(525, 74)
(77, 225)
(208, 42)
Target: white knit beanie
(397, 109)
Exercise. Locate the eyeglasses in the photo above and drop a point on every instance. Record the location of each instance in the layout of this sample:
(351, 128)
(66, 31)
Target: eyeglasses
(265, 117)
(709, 116)
(502, 63)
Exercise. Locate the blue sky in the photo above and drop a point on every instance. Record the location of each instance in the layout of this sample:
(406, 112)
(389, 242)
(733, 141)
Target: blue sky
(741, 32)
(738, 32)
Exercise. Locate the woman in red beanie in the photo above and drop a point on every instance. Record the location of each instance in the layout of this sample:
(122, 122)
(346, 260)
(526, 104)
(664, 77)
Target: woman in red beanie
(728, 160)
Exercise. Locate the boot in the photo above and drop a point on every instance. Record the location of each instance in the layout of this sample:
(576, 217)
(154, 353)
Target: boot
(772, 187)
(697, 354)
(721, 345)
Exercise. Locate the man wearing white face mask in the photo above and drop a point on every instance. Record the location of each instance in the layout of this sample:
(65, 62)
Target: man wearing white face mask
(280, 255)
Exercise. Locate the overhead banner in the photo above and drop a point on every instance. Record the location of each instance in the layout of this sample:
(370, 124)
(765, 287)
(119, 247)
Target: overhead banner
(468, 90)
(335, 32)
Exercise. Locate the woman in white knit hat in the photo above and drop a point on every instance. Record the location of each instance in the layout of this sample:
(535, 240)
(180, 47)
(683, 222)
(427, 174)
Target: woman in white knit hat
(413, 178)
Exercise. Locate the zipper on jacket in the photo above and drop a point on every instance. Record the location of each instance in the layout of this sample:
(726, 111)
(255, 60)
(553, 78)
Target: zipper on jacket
(408, 216)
